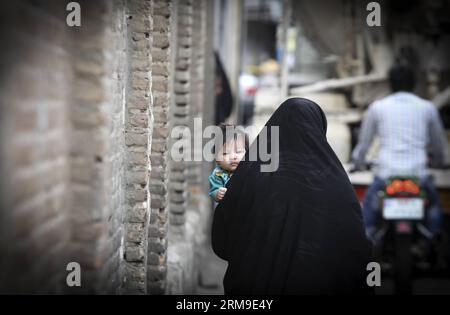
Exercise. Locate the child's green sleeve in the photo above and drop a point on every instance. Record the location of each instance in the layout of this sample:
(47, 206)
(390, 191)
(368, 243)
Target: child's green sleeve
(215, 183)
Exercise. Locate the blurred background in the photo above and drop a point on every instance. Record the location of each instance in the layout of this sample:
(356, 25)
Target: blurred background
(87, 111)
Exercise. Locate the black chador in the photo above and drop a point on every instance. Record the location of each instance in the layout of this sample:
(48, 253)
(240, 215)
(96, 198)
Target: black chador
(298, 229)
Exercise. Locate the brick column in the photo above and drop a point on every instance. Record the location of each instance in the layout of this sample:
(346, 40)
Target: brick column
(139, 122)
(196, 92)
(198, 210)
(181, 111)
(188, 215)
(180, 250)
(162, 73)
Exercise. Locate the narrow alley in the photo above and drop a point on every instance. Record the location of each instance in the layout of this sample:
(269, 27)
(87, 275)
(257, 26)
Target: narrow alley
(92, 107)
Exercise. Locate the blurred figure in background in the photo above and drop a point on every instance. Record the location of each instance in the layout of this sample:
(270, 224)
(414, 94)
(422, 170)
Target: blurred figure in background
(224, 96)
(406, 125)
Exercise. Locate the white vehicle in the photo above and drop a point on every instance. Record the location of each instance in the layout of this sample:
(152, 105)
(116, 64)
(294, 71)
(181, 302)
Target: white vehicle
(248, 86)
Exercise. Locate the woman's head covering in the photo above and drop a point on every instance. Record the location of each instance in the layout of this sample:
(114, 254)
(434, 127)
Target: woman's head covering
(299, 228)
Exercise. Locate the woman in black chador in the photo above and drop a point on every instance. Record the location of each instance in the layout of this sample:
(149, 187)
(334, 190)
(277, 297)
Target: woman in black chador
(297, 230)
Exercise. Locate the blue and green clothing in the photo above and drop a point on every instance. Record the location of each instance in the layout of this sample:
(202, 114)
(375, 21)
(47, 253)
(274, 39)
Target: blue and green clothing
(218, 178)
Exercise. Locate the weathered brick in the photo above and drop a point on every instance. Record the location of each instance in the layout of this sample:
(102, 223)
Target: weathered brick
(134, 232)
(138, 158)
(161, 41)
(161, 99)
(183, 63)
(137, 177)
(160, 22)
(137, 194)
(178, 208)
(185, 41)
(156, 273)
(137, 214)
(139, 82)
(158, 202)
(184, 53)
(134, 254)
(158, 159)
(178, 197)
(160, 132)
(160, 55)
(133, 138)
(182, 87)
(182, 76)
(160, 69)
(159, 146)
(181, 110)
(135, 273)
(155, 259)
(158, 189)
(160, 84)
(157, 245)
(163, 9)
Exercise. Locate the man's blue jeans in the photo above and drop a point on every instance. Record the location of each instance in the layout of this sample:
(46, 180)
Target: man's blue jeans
(371, 206)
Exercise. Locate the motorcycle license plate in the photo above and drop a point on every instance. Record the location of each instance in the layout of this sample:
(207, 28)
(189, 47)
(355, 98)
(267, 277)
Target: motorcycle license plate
(403, 208)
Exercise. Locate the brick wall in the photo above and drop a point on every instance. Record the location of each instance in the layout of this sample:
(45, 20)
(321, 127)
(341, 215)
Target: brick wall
(111, 244)
(86, 114)
(96, 155)
(35, 157)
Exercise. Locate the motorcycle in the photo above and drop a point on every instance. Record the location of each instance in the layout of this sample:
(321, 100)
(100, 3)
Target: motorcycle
(402, 243)
(403, 205)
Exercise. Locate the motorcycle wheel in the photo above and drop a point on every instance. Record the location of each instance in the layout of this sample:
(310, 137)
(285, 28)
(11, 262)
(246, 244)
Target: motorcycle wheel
(403, 263)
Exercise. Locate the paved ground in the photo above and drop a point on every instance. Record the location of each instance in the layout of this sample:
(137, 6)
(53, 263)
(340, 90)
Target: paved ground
(211, 274)
(213, 269)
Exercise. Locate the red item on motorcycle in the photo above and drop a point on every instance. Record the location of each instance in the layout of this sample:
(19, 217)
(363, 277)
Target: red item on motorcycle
(398, 186)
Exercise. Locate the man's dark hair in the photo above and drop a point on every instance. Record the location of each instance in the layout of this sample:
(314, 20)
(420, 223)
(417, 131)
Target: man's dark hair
(230, 132)
(401, 78)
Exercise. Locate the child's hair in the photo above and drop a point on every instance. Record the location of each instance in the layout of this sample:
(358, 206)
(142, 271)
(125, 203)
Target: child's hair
(230, 132)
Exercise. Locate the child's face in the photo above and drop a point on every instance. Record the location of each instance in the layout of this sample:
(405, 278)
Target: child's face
(231, 154)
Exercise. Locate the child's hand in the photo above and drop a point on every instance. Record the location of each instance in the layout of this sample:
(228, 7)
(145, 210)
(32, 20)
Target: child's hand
(220, 193)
